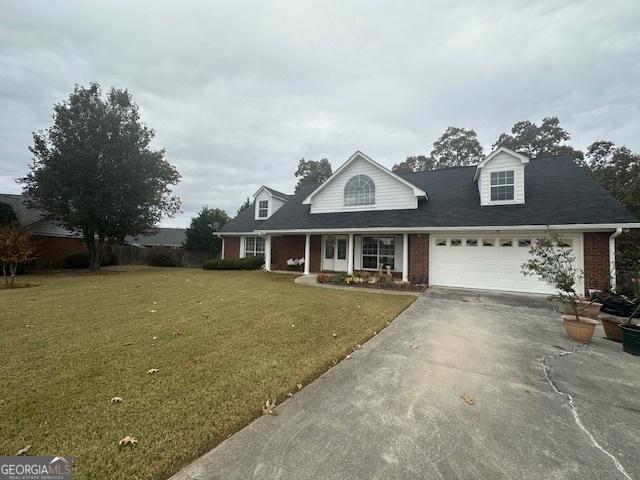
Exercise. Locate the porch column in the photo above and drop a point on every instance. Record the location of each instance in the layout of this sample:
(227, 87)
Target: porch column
(307, 253)
(267, 253)
(222, 251)
(405, 257)
(350, 253)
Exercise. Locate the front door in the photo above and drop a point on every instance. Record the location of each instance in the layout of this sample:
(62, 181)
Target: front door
(334, 253)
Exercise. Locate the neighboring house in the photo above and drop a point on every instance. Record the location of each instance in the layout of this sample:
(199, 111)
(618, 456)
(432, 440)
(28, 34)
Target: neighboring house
(161, 237)
(466, 227)
(54, 242)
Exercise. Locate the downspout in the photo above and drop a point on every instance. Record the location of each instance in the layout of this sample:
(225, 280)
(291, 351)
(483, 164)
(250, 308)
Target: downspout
(222, 250)
(612, 256)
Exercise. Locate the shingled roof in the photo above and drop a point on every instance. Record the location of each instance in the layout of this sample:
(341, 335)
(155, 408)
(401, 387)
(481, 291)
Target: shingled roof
(557, 192)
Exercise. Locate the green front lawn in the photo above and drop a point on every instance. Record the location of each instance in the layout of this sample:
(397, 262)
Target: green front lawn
(226, 341)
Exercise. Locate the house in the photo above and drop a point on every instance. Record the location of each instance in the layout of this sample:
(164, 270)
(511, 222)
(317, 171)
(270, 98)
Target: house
(468, 227)
(160, 237)
(54, 242)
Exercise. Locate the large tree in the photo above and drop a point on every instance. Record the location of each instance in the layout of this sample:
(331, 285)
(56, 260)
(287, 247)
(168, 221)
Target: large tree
(7, 214)
(416, 163)
(96, 172)
(618, 170)
(200, 234)
(457, 147)
(549, 138)
(311, 172)
(244, 206)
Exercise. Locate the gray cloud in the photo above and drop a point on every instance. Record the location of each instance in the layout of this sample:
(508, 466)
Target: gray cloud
(238, 91)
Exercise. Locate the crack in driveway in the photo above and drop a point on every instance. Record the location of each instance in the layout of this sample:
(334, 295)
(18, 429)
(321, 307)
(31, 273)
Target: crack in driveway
(572, 404)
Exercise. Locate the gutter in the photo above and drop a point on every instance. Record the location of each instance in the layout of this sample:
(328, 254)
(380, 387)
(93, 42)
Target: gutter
(612, 256)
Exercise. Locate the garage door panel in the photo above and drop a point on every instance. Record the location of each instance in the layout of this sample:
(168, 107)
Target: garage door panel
(492, 267)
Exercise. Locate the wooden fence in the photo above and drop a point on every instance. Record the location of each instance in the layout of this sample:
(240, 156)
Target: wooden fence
(130, 255)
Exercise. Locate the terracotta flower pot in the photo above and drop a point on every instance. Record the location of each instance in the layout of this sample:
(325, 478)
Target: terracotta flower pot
(611, 326)
(580, 331)
(586, 309)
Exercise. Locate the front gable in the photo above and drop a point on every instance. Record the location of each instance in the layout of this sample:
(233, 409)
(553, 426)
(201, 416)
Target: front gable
(383, 189)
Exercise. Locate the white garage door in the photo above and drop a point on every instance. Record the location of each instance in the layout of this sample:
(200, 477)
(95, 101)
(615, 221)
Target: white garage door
(488, 262)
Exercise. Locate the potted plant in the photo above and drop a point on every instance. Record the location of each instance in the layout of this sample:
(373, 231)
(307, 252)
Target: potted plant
(631, 334)
(555, 265)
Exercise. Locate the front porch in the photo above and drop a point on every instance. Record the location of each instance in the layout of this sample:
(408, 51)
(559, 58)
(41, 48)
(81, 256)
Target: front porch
(404, 255)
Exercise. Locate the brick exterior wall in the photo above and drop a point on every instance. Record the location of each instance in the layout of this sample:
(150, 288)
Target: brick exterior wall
(596, 259)
(231, 247)
(419, 257)
(284, 248)
(52, 250)
(316, 253)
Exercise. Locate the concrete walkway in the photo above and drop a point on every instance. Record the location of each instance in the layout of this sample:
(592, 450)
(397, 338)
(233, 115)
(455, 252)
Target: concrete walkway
(394, 411)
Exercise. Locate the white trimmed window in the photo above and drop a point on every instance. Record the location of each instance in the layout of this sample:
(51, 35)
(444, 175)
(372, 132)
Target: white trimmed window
(254, 247)
(502, 185)
(263, 208)
(359, 190)
(378, 251)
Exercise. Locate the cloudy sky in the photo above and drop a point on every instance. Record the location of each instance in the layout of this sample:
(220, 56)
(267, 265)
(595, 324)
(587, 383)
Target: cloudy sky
(239, 91)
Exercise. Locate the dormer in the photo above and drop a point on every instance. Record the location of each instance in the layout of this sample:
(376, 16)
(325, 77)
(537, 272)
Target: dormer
(267, 202)
(363, 184)
(500, 177)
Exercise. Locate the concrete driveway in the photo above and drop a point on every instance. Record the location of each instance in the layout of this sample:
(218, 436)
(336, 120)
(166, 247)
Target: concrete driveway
(394, 411)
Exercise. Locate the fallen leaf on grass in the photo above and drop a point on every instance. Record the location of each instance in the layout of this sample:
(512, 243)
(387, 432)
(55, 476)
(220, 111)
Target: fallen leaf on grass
(116, 400)
(177, 333)
(468, 399)
(152, 370)
(152, 311)
(289, 394)
(299, 385)
(127, 344)
(23, 451)
(127, 441)
(334, 335)
(154, 338)
(269, 408)
(28, 326)
(347, 357)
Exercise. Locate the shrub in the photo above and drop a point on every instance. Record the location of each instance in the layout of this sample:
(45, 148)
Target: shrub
(248, 263)
(81, 260)
(161, 260)
(338, 277)
(77, 260)
(323, 278)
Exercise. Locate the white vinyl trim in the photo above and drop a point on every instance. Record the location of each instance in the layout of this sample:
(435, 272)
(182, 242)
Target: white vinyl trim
(576, 226)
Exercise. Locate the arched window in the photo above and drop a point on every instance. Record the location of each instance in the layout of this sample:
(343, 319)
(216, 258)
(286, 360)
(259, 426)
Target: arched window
(359, 190)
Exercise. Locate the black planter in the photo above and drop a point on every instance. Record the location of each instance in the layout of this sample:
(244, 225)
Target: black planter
(631, 339)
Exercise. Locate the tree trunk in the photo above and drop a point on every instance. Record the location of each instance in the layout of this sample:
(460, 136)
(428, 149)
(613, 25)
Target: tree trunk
(90, 240)
(13, 268)
(4, 274)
